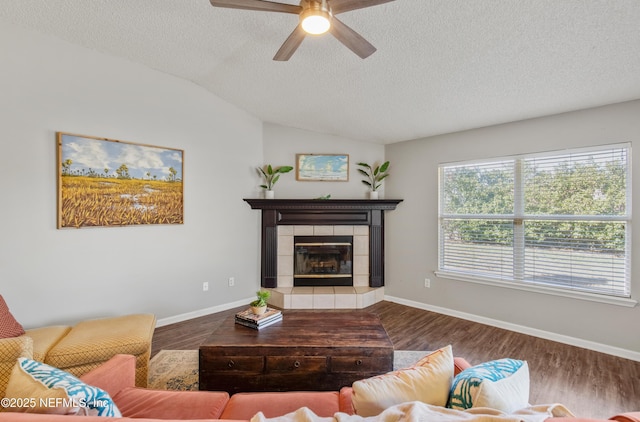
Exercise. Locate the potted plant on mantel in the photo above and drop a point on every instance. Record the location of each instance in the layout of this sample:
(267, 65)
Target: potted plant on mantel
(375, 176)
(259, 306)
(271, 176)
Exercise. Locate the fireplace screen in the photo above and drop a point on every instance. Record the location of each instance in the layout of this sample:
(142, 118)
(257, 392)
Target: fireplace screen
(323, 261)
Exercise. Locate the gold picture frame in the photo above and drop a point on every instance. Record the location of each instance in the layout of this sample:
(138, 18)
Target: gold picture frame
(105, 182)
(322, 167)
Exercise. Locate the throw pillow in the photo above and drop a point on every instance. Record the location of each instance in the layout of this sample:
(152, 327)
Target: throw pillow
(79, 395)
(9, 327)
(429, 381)
(25, 394)
(501, 384)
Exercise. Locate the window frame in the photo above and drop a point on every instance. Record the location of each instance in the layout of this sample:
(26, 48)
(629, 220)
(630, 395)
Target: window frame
(518, 216)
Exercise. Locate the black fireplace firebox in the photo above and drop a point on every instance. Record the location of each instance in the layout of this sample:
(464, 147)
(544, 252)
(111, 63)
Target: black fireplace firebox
(323, 261)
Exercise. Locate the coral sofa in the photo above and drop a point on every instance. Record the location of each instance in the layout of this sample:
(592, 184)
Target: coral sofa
(117, 377)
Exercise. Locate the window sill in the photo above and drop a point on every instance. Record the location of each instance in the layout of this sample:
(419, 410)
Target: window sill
(610, 300)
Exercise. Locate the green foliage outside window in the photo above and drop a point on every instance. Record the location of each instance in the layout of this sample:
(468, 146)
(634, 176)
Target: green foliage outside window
(578, 189)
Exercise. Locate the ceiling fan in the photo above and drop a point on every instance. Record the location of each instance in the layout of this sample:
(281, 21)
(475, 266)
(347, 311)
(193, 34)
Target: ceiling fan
(316, 17)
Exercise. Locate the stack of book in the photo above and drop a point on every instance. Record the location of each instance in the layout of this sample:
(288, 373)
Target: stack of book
(257, 322)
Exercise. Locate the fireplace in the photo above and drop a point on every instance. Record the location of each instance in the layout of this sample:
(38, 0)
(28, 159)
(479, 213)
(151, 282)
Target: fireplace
(323, 261)
(364, 219)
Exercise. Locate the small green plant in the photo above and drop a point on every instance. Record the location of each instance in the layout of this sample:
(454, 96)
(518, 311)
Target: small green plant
(374, 175)
(271, 175)
(262, 295)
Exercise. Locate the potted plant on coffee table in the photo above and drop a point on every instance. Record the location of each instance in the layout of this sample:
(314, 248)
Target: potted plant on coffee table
(271, 175)
(259, 306)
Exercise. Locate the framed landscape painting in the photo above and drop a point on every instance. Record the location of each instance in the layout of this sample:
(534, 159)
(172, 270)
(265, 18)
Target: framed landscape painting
(104, 183)
(322, 167)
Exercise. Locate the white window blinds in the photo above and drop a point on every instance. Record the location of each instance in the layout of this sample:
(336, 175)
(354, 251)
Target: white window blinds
(559, 220)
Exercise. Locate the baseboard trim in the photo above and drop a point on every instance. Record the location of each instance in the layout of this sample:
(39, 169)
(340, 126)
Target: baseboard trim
(202, 312)
(547, 335)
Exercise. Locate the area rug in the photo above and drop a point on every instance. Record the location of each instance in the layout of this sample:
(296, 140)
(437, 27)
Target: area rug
(178, 369)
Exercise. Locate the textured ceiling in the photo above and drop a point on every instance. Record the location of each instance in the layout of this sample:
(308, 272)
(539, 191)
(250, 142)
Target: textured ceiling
(441, 65)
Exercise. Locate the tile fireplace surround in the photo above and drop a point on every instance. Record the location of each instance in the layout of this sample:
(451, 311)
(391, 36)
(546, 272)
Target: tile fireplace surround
(282, 219)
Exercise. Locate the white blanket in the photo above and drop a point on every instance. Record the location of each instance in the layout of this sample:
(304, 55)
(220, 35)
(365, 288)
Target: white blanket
(421, 412)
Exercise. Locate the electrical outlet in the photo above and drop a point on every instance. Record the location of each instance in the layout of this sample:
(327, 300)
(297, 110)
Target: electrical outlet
(427, 283)
(205, 286)
(232, 281)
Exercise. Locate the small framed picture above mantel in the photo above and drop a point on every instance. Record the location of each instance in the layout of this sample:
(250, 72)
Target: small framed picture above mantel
(322, 167)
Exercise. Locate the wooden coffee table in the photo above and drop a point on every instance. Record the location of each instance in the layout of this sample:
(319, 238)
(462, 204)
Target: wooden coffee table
(307, 350)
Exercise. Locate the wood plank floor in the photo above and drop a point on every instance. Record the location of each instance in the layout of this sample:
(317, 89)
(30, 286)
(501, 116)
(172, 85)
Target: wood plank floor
(590, 384)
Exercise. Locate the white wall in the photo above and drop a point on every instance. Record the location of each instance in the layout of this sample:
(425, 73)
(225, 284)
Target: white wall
(282, 143)
(412, 229)
(61, 276)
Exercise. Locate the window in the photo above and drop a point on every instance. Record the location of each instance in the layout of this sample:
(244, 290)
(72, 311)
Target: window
(557, 220)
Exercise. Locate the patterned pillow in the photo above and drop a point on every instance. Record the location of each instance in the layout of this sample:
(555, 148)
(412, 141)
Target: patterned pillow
(428, 381)
(500, 384)
(25, 394)
(92, 399)
(9, 327)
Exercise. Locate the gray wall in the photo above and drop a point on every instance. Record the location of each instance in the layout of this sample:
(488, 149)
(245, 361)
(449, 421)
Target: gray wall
(59, 276)
(412, 230)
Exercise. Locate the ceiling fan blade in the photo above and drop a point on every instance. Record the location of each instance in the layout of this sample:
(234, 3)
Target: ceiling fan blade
(351, 39)
(341, 6)
(267, 6)
(290, 45)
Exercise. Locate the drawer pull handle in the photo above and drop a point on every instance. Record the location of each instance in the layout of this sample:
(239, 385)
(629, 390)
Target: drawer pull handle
(359, 362)
(296, 364)
(231, 364)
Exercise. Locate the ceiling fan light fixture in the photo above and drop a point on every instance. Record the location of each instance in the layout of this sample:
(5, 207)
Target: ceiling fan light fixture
(315, 22)
(316, 17)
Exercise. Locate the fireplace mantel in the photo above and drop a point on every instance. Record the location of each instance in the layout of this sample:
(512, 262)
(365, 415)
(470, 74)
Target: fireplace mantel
(317, 212)
(312, 204)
